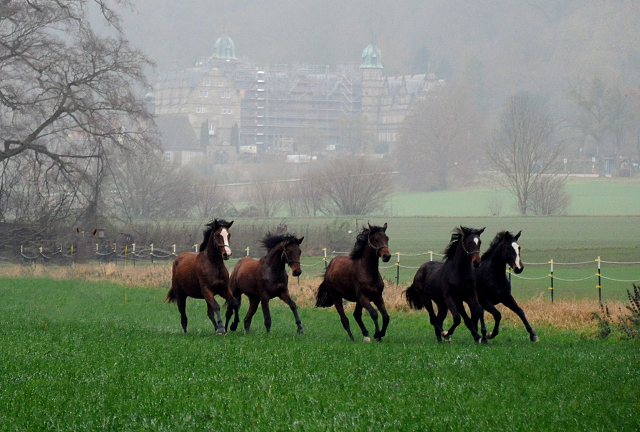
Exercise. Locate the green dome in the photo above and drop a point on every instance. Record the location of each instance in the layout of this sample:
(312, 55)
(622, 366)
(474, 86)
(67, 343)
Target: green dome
(371, 58)
(223, 48)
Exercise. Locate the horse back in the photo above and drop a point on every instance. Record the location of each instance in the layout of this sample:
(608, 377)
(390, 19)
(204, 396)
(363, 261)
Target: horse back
(245, 276)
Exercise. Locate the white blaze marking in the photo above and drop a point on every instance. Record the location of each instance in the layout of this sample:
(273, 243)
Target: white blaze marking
(476, 240)
(516, 247)
(225, 240)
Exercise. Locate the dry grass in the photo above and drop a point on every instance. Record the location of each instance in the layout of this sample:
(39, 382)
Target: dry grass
(563, 315)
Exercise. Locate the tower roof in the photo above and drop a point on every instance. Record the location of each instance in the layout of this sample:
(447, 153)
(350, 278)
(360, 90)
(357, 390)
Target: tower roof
(371, 58)
(224, 49)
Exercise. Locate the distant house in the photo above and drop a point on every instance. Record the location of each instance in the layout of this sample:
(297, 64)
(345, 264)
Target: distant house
(179, 141)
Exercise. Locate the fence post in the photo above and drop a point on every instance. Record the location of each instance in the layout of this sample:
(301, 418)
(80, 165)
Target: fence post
(509, 273)
(430, 255)
(133, 250)
(398, 269)
(126, 250)
(151, 253)
(174, 249)
(551, 276)
(599, 282)
(324, 250)
(247, 249)
(115, 252)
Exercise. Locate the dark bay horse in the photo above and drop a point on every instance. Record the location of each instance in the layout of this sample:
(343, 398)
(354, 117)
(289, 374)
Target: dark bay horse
(203, 275)
(493, 286)
(266, 278)
(450, 283)
(356, 278)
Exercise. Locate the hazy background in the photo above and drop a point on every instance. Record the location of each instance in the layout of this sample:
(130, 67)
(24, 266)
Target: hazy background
(497, 47)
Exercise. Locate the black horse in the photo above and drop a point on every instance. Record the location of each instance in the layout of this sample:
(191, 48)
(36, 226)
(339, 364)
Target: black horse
(449, 284)
(493, 286)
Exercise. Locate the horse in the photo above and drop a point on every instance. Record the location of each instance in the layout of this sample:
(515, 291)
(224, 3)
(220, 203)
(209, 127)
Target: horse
(203, 275)
(265, 278)
(356, 278)
(492, 285)
(449, 283)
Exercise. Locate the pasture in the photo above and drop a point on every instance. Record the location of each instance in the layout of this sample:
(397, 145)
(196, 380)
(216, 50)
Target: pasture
(98, 356)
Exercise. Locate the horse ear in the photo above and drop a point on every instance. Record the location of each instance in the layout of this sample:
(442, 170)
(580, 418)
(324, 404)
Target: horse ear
(95, 231)
(480, 231)
(384, 227)
(78, 230)
(517, 235)
(369, 225)
(229, 224)
(300, 239)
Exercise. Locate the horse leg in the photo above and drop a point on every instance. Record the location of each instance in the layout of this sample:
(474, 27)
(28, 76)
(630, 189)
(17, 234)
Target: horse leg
(213, 311)
(230, 311)
(439, 321)
(497, 317)
(510, 302)
(373, 313)
(478, 313)
(253, 307)
(337, 302)
(379, 302)
(182, 307)
(288, 300)
(265, 311)
(451, 305)
(357, 314)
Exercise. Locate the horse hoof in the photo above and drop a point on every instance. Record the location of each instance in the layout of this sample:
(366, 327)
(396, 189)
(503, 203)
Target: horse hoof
(490, 335)
(484, 341)
(221, 331)
(535, 338)
(448, 339)
(234, 326)
(367, 339)
(300, 330)
(445, 333)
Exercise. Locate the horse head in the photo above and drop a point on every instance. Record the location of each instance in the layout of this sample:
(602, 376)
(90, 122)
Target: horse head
(291, 255)
(511, 252)
(379, 241)
(222, 237)
(470, 241)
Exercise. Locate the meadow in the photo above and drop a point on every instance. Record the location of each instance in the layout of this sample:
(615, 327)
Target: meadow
(82, 355)
(94, 347)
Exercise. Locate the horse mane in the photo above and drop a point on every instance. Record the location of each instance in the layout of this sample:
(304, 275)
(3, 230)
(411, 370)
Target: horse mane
(494, 244)
(209, 230)
(456, 236)
(361, 241)
(270, 241)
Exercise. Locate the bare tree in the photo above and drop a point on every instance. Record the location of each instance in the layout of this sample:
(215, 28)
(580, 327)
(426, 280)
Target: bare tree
(440, 139)
(355, 186)
(266, 198)
(68, 96)
(548, 196)
(522, 149)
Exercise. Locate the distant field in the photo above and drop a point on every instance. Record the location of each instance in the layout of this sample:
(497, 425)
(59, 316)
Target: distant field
(597, 196)
(95, 356)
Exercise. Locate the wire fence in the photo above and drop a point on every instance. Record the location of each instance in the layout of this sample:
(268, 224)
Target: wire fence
(133, 254)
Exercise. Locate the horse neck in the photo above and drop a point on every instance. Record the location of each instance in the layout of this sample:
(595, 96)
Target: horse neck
(461, 259)
(212, 252)
(496, 263)
(273, 258)
(370, 258)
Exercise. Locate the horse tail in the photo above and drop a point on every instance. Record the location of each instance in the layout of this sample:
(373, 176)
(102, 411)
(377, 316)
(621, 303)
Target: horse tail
(171, 296)
(323, 298)
(413, 298)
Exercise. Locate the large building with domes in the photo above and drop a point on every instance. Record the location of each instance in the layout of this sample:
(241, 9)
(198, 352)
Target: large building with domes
(297, 108)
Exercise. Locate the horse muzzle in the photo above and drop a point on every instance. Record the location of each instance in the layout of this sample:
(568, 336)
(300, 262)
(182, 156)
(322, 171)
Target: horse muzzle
(518, 270)
(386, 257)
(296, 272)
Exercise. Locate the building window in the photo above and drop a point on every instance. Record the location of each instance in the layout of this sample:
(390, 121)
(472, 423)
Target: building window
(207, 82)
(200, 110)
(220, 83)
(228, 95)
(226, 111)
(168, 156)
(222, 95)
(203, 93)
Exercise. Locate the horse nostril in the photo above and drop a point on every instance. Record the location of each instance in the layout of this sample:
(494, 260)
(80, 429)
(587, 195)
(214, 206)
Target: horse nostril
(297, 272)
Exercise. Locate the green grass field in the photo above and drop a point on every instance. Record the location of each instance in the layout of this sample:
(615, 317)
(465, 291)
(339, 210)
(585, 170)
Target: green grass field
(590, 196)
(76, 356)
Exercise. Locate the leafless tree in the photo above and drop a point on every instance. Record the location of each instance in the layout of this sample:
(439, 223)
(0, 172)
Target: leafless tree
(145, 186)
(68, 97)
(266, 197)
(440, 140)
(355, 186)
(306, 196)
(549, 197)
(522, 149)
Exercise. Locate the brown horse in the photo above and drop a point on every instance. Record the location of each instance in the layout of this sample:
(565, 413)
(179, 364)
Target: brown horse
(356, 278)
(204, 275)
(266, 278)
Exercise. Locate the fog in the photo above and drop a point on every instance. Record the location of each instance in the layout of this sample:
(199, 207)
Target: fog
(500, 47)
